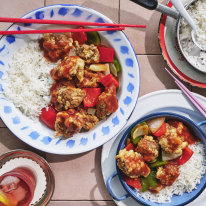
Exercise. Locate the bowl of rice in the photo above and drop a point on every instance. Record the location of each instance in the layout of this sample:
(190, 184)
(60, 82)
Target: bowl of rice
(195, 56)
(25, 83)
(169, 177)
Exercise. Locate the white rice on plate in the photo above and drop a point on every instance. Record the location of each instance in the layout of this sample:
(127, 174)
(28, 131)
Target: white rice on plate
(27, 82)
(190, 175)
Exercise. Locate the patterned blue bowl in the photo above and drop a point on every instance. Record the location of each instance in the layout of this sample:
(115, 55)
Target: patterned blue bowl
(176, 200)
(35, 133)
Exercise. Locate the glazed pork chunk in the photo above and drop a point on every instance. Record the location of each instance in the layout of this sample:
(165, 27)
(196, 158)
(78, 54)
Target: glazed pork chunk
(68, 123)
(167, 174)
(70, 67)
(89, 53)
(65, 96)
(148, 148)
(90, 120)
(171, 141)
(107, 102)
(132, 163)
(56, 46)
(91, 79)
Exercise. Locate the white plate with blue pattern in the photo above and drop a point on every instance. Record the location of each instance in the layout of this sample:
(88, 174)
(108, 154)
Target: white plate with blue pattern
(35, 133)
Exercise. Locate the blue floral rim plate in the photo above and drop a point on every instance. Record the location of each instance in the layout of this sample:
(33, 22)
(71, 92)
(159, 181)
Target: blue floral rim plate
(35, 133)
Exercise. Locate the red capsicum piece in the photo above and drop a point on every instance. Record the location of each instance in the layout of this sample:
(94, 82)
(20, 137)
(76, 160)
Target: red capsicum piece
(133, 182)
(81, 37)
(186, 155)
(109, 80)
(161, 130)
(106, 54)
(48, 117)
(130, 146)
(91, 97)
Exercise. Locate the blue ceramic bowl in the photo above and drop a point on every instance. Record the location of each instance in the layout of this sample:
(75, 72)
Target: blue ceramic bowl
(176, 200)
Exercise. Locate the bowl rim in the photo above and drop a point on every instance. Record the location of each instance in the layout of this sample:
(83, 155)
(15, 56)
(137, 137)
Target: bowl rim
(85, 149)
(120, 174)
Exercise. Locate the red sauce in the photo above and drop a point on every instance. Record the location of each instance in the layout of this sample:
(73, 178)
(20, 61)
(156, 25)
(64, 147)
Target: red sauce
(183, 131)
(112, 103)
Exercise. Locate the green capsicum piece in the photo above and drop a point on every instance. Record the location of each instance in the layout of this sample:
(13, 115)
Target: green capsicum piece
(93, 38)
(157, 164)
(143, 184)
(152, 181)
(117, 64)
(137, 139)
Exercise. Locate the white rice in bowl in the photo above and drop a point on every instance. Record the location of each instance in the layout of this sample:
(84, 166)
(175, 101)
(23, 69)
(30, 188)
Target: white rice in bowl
(190, 175)
(197, 11)
(27, 82)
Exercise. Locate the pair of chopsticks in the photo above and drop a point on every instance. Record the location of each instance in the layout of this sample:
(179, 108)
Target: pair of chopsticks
(189, 94)
(113, 27)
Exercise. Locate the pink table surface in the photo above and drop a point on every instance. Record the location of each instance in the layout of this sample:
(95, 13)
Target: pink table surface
(78, 178)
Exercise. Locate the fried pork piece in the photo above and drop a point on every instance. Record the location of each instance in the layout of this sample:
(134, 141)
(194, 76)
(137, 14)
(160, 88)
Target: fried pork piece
(148, 148)
(56, 46)
(68, 123)
(65, 96)
(107, 102)
(132, 163)
(167, 174)
(91, 79)
(171, 141)
(89, 53)
(90, 120)
(70, 67)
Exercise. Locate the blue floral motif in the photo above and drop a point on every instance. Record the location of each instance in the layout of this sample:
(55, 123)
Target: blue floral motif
(52, 13)
(127, 100)
(105, 130)
(130, 87)
(89, 17)
(2, 63)
(124, 50)
(117, 39)
(59, 140)
(111, 32)
(94, 136)
(46, 140)
(83, 141)
(24, 128)
(28, 24)
(2, 48)
(70, 143)
(100, 20)
(1, 89)
(10, 39)
(63, 11)
(16, 120)
(131, 75)
(7, 110)
(122, 111)
(77, 13)
(129, 62)
(115, 121)
(34, 135)
(39, 15)
(1, 74)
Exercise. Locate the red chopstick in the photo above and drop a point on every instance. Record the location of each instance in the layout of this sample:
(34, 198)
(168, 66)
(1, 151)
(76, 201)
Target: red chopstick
(59, 30)
(80, 23)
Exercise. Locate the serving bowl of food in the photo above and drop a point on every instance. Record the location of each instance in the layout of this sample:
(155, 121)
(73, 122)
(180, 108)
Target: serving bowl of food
(161, 160)
(67, 93)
